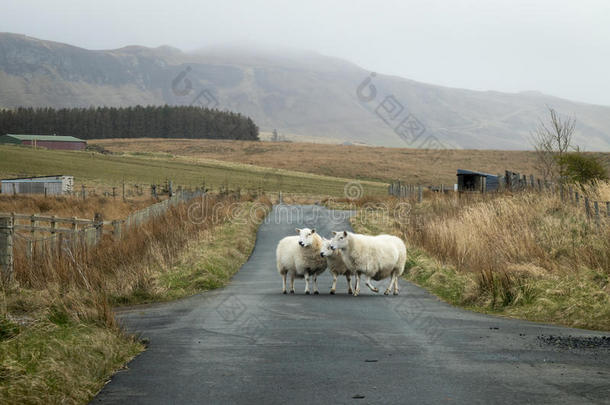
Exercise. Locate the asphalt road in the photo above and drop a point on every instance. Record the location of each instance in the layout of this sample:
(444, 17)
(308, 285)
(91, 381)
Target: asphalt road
(250, 344)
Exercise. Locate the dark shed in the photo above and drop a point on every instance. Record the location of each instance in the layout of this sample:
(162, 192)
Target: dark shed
(469, 180)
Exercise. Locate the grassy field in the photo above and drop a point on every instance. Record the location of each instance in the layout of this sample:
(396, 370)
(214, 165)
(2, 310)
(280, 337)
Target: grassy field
(103, 171)
(524, 255)
(354, 162)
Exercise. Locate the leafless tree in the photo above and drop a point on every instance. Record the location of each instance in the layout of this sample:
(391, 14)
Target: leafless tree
(551, 141)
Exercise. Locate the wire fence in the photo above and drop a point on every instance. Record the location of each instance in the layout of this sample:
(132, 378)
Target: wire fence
(62, 236)
(594, 209)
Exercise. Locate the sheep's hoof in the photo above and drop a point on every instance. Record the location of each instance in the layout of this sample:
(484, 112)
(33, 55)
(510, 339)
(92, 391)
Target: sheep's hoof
(316, 293)
(307, 292)
(375, 290)
(387, 292)
(284, 292)
(395, 292)
(332, 292)
(291, 291)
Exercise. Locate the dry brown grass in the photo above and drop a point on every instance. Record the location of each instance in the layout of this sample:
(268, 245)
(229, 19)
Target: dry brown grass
(69, 206)
(357, 162)
(126, 267)
(58, 337)
(522, 254)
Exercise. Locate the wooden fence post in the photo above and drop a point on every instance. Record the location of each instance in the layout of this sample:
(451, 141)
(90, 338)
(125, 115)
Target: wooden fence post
(83, 193)
(6, 249)
(420, 194)
(59, 243)
(587, 207)
(596, 209)
(99, 227)
(570, 194)
(33, 225)
(576, 198)
(608, 209)
(561, 193)
(116, 229)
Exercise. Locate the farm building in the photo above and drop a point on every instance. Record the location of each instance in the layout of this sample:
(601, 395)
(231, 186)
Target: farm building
(49, 185)
(469, 180)
(45, 141)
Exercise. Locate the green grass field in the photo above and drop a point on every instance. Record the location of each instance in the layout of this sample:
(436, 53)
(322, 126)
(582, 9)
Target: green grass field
(94, 169)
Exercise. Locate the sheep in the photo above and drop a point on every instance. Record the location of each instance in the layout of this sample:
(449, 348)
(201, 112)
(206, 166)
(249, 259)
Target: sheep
(336, 266)
(300, 257)
(377, 257)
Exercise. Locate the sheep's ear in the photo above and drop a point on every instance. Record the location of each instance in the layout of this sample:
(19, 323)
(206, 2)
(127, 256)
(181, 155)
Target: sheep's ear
(298, 230)
(313, 231)
(344, 233)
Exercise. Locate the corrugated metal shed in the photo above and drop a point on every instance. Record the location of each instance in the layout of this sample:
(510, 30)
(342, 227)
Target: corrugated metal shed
(50, 185)
(470, 180)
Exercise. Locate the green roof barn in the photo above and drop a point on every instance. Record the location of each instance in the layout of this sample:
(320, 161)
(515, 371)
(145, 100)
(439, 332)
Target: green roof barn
(45, 141)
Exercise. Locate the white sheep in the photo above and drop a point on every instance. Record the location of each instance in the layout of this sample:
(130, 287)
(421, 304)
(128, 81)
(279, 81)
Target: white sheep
(377, 257)
(300, 257)
(336, 266)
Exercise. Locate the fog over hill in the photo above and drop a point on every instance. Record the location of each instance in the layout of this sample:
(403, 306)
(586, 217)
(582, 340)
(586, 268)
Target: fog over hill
(297, 92)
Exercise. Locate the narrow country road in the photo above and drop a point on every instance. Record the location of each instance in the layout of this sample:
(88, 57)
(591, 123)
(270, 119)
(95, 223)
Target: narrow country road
(249, 344)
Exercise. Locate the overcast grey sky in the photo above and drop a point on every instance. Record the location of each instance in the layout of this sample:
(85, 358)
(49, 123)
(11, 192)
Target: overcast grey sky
(559, 47)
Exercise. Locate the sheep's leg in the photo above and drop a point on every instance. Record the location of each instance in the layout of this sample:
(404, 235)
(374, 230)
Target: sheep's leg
(357, 287)
(396, 284)
(392, 281)
(348, 277)
(371, 286)
(315, 284)
(334, 286)
(284, 283)
(291, 283)
(306, 275)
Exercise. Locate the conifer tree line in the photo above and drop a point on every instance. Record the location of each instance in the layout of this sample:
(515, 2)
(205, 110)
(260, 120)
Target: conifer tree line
(129, 122)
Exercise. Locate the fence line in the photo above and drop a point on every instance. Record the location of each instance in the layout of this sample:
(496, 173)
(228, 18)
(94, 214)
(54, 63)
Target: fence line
(72, 231)
(514, 181)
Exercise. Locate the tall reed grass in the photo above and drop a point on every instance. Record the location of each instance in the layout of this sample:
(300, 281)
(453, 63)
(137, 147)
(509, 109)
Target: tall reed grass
(509, 249)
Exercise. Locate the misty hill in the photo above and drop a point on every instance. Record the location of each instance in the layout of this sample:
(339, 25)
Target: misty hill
(299, 93)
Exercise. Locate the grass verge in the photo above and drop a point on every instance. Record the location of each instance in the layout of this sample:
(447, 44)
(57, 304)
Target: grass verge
(59, 342)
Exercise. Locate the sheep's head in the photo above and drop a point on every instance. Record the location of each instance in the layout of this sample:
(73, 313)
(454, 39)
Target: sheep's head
(339, 240)
(306, 236)
(326, 250)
